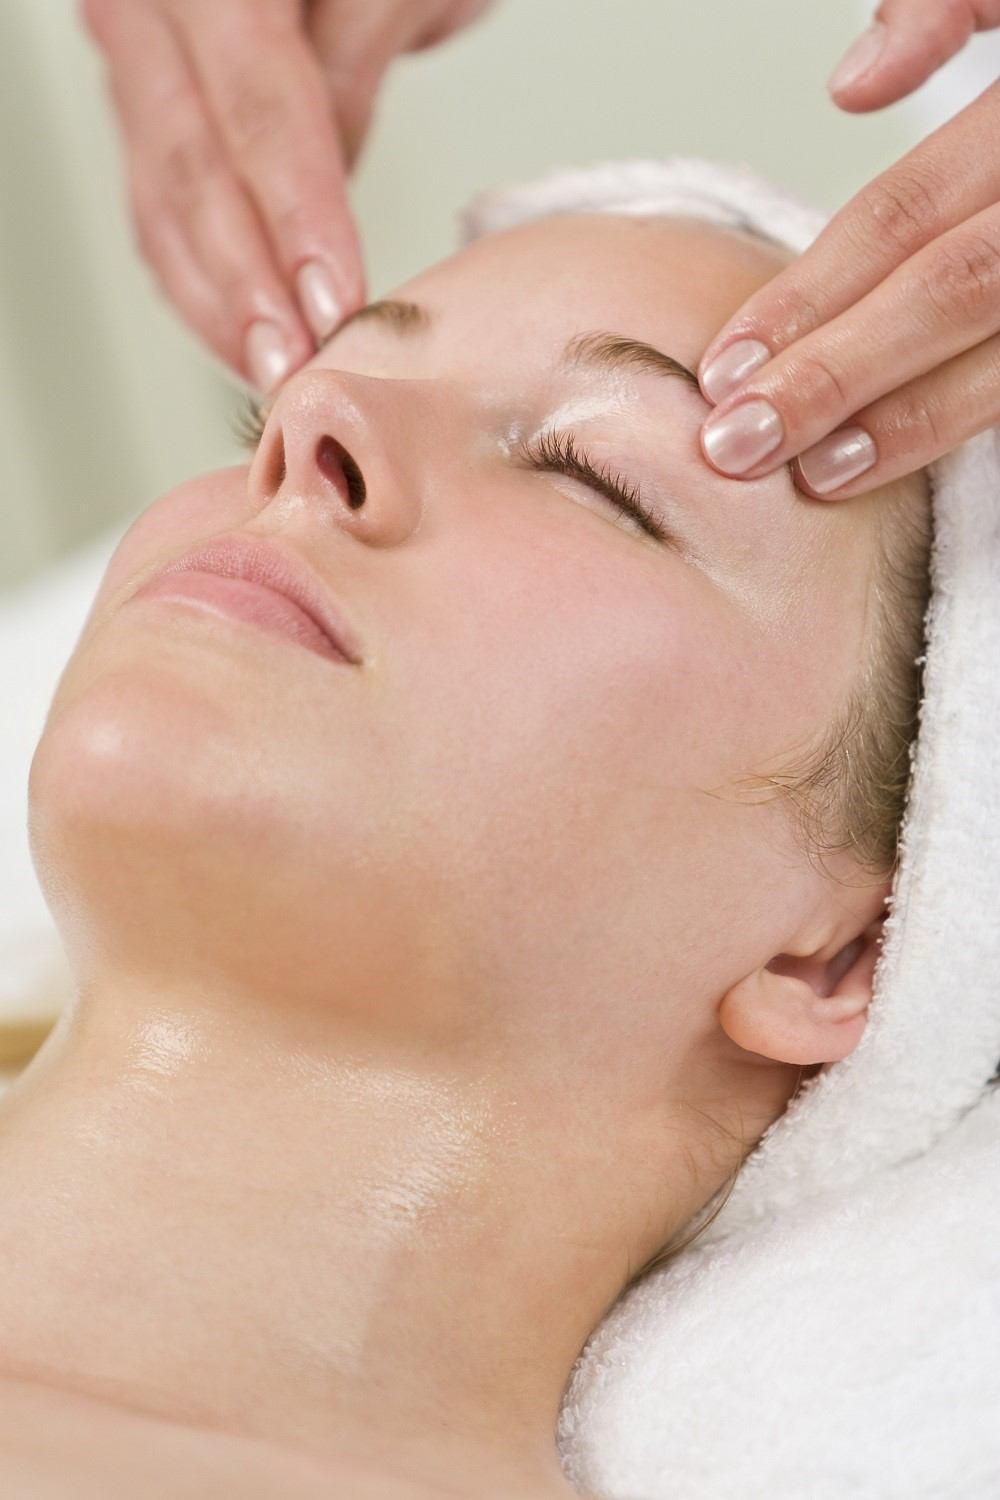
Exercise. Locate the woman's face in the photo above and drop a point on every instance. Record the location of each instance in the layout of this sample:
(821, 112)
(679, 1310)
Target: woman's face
(517, 821)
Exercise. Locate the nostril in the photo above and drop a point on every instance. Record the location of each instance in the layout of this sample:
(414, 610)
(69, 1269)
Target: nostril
(270, 460)
(336, 463)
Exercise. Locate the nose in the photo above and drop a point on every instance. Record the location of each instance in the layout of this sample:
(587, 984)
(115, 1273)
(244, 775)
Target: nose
(328, 443)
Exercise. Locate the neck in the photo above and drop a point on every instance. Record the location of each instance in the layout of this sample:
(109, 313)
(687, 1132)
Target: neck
(332, 1243)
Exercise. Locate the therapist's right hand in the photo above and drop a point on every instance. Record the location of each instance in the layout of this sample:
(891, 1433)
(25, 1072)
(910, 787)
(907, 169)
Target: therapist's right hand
(240, 120)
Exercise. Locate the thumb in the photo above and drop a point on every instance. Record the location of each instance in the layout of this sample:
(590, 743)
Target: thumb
(907, 41)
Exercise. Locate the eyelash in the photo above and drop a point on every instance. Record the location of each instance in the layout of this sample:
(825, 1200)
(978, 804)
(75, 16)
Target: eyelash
(552, 453)
(557, 453)
(248, 422)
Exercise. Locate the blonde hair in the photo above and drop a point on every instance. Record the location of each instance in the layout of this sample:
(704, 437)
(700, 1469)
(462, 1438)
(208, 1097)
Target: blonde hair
(850, 794)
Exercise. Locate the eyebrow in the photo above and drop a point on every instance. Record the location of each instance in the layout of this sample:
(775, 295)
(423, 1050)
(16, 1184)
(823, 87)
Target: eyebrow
(605, 351)
(613, 351)
(401, 317)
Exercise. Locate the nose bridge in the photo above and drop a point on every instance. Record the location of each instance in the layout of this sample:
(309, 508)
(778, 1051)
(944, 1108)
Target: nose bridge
(334, 441)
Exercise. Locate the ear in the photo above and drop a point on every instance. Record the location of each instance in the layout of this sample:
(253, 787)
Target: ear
(811, 1006)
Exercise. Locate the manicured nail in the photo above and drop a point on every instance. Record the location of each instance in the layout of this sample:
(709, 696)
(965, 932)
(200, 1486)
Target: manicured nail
(841, 456)
(743, 436)
(320, 302)
(267, 357)
(861, 55)
(730, 368)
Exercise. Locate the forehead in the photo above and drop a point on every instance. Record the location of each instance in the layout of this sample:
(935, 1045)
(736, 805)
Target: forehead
(670, 280)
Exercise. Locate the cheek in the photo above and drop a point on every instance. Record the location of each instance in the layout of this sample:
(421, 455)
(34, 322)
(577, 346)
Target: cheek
(557, 721)
(570, 713)
(644, 676)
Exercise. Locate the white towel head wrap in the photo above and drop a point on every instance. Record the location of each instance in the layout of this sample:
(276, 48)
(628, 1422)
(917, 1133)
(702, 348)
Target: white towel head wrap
(932, 1039)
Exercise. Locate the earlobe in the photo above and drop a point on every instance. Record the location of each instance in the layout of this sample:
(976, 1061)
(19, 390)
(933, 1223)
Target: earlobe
(807, 1009)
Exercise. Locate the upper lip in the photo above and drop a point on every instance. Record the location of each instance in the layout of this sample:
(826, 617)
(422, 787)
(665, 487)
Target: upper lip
(261, 560)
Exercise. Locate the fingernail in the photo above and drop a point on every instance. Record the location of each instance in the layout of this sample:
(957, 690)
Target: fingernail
(730, 368)
(837, 458)
(861, 55)
(743, 436)
(319, 301)
(267, 357)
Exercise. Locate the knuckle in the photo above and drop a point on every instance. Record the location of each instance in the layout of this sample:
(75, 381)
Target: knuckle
(915, 420)
(962, 279)
(257, 111)
(900, 206)
(188, 163)
(795, 313)
(817, 384)
(231, 284)
(291, 223)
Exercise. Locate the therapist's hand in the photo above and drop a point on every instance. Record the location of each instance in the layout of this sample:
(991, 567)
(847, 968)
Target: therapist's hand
(879, 348)
(240, 120)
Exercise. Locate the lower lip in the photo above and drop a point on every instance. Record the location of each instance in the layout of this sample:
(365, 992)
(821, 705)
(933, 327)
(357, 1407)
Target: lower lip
(240, 599)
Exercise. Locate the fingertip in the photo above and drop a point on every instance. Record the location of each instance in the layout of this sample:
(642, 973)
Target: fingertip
(875, 92)
(269, 355)
(344, 259)
(726, 371)
(804, 487)
(836, 460)
(826, 497)
(862, 56)
(322, 305)
(857, 101)
(329, 285)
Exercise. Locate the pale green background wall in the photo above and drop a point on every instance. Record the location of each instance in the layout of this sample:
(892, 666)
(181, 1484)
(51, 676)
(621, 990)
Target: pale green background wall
(107, 401)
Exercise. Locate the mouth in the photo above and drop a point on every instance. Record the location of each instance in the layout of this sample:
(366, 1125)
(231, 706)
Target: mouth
(260, 582)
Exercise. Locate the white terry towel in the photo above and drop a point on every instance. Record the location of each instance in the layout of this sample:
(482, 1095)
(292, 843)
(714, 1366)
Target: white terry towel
(834, 1331)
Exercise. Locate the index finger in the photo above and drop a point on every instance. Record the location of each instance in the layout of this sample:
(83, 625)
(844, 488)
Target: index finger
(947, 178)
(265, 89)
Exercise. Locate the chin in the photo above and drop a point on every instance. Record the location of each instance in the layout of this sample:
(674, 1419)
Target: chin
(120, 781)
(174, 832)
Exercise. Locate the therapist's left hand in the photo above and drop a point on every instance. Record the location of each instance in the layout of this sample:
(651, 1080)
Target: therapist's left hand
(877, 350)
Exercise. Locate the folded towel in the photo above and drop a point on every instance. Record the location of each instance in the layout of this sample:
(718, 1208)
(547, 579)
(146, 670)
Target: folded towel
(830, 1332)
(844, 1349)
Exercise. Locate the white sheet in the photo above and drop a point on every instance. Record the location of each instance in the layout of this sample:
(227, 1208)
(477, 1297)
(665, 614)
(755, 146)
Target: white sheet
(39, 625)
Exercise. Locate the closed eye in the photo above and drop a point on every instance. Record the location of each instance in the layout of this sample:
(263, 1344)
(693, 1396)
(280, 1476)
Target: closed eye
(558, 453)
